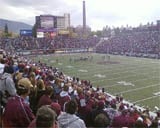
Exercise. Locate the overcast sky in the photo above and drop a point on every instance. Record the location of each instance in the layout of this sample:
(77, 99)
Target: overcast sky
(99, 13)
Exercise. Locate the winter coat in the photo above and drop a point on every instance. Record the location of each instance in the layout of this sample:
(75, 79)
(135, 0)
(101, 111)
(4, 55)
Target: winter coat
(7, 88)
(17, 113)
(66, 120)
(7, 84)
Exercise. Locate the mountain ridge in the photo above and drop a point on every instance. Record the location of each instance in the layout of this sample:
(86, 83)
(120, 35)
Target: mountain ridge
(14, 26)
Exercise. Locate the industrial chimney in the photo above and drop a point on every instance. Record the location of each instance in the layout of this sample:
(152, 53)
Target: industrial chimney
(84, 16)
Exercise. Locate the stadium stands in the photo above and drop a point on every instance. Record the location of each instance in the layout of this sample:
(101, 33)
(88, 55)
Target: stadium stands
(91, 101)
(94, 105)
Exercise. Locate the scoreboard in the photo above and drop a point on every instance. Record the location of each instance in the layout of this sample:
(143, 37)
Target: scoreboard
(47, 22)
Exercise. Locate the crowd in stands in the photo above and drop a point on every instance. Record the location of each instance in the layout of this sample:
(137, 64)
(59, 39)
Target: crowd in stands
(59, 42)
(140, 43)
(37, 95)
(34, 94)
(134, 43)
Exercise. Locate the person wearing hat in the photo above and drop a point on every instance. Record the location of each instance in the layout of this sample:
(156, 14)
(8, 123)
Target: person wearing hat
(56, 107)
(18, 113)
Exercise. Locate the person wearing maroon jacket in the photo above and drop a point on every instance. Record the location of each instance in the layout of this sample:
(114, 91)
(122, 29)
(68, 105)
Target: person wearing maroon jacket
(17, 113)
(123, 120)
(64, 97)
(45, 99)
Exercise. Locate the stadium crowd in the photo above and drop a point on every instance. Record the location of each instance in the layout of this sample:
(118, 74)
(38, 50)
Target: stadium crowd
(144, 43)
(140, 43)
(34, 94)
(31, 43)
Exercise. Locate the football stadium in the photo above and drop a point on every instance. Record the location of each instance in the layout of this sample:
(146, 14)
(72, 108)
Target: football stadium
(136, 79)
(56, 72)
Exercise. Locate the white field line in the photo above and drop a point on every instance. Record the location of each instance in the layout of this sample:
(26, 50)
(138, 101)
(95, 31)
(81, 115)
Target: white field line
(148, 98)
(137, 89)
(93, 81)
(120, 73)
(123, 67)
(133, 69)
(130, 70)
(130, 81)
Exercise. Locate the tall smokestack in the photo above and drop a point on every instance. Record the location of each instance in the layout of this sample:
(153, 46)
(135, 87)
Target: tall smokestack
(84, 16)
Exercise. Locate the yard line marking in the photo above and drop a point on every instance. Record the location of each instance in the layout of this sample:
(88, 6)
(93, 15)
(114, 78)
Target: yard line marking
(121, 77)
(123, 67)
(132, 70)
(130, 81)
(120, 74)
(148, 98)
(157, 93)
(131, 90)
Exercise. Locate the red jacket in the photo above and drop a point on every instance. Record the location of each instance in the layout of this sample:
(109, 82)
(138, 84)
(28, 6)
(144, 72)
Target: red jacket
(17, 113)
(44, 100)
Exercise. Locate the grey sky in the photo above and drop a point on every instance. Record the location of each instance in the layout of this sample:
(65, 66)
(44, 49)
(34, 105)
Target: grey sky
(99, 13)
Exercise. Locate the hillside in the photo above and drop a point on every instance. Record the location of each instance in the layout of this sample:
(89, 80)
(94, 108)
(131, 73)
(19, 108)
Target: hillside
(14, 26)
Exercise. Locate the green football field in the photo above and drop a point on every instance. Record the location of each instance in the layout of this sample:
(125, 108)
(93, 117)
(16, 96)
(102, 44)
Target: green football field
(137, 79)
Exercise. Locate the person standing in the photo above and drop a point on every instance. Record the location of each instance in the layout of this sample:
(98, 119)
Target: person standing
(45, 118)
(7, 85)
(68, 119)
(17, 112)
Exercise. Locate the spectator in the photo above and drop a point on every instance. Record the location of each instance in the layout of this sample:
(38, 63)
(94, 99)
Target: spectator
(56, 107)
(33, 96)
(99, 110)
(68, 119)
(45, 99)
(139, 123)
(45, 118)
(101, 121)
(7, 85)
(40, 90)
(123, 120)
(64, 96)
(81, 103)
(17, 113)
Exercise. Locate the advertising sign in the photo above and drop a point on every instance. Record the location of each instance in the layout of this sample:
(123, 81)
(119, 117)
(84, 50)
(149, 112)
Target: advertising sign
(40, 34)
(25, 32)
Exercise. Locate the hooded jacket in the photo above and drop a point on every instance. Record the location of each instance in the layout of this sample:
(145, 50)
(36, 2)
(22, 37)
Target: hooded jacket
(66, 120)
(64, 98)
(17, 113)
(7, 84)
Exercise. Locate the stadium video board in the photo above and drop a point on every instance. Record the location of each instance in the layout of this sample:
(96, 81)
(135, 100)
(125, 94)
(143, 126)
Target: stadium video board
(47, 21)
